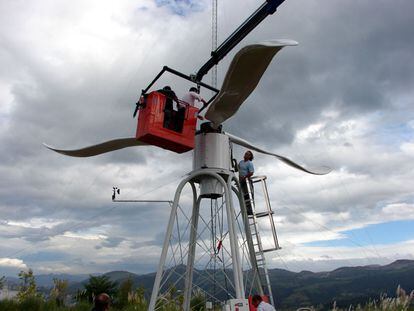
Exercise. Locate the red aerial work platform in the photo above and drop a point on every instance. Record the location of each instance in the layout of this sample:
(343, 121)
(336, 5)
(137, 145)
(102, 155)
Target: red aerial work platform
(151, 128)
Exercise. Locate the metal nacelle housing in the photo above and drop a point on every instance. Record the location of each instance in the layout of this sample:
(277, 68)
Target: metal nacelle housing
(212, 150)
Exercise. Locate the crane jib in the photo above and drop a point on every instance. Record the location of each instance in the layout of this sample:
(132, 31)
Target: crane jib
(267, 8)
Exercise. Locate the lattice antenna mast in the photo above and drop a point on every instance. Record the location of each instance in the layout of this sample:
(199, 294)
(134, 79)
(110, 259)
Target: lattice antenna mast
(214, 39)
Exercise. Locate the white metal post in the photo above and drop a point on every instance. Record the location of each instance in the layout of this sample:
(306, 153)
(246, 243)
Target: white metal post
(167, 238)
(231, 218)
(191, 254)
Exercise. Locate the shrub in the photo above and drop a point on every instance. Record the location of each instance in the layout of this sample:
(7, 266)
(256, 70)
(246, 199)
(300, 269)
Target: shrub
(31, 303)
(9, 305)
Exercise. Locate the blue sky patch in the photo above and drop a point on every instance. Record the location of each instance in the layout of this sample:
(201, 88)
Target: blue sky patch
(384, 233)
(182, 7)
(394, 135)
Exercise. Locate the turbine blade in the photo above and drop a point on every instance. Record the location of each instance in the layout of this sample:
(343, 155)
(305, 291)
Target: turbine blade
(242, 77)
(104, 147)
(244, 143)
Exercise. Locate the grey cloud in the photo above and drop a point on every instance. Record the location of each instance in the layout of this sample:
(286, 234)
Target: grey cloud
(137, 245)
(45, 256)
(353, 66)
(110, 242)
(32, 234)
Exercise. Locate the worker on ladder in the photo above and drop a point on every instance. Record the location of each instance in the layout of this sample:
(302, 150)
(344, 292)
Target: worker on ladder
(246, 170)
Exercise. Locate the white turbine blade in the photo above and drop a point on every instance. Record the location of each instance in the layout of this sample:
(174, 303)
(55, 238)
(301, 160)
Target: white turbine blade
(242, 77)
(315, 171)
(94, 150)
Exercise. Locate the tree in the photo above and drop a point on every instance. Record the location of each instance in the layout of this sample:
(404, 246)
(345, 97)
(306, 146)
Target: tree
(136, 300)
(139, 296)
(98, 285)
(172, 300)
(198, 300)
(125, 290)
(27, 287)
(2, 279)
(81, 295)
(58, 293)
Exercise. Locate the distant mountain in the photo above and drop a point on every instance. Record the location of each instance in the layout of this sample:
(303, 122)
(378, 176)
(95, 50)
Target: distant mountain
(346, 286)
(119, 276)
(46, 280)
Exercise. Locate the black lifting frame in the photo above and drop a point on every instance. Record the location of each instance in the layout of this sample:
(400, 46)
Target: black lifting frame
(184, 76)
(181, 75)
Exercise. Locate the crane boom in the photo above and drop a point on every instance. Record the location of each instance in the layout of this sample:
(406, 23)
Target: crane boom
(267, 8)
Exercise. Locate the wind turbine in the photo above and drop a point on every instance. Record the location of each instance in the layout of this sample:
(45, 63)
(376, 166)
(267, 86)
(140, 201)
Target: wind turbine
(213, 171)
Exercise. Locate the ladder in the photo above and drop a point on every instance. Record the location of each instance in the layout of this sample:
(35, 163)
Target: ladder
(252, 220)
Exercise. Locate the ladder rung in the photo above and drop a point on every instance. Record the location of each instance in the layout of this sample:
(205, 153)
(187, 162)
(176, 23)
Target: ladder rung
(264, 214)
(271, 249)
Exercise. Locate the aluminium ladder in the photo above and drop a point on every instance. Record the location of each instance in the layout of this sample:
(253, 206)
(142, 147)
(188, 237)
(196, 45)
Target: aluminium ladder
(259, 250)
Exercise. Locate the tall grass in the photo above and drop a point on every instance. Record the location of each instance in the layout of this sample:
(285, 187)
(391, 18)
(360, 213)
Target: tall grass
(401, 302)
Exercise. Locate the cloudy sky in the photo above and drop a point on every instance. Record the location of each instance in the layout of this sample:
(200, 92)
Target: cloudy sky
(71, 71)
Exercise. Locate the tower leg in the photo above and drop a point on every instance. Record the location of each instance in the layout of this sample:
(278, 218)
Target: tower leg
(238, 272)
(167, 238)
(191, 254)
(234, 247)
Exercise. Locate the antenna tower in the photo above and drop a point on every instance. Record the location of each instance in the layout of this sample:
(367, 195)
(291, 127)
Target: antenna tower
(214, 40)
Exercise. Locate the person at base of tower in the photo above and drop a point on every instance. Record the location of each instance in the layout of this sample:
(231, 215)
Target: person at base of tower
(246, 170)
(261, 305)
(102, 302)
